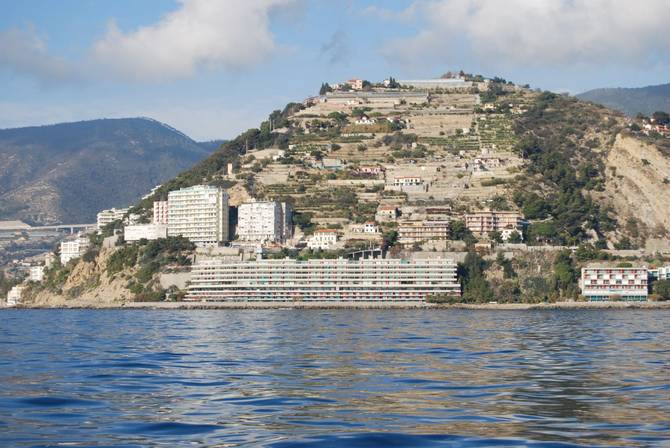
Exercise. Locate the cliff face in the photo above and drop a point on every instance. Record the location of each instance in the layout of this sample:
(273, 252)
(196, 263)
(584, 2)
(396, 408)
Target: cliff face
(638, 188)
(86, 285)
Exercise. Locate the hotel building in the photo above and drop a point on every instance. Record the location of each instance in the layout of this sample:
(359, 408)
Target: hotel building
(322, 280)
(199, 213)
(69, 250)
(15, 295)
(417, 231)
(264, 221)
(606, 283)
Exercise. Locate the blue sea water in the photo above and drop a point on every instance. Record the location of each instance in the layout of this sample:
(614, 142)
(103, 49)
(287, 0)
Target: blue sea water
(337, 378)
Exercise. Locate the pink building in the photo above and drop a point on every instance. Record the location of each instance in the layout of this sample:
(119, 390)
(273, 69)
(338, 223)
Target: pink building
(161, 212)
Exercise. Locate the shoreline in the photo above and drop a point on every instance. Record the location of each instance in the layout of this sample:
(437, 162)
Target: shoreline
(288, 305)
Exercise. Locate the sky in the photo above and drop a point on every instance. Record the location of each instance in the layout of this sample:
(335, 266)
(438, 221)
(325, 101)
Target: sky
(214, 68)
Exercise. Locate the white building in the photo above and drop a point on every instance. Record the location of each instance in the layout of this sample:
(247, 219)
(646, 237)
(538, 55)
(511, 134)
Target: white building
(199, 213)
(36, 273)
(108, 216)
(144, 232)
(370, 228)
(69, 250)
(608, 283)
(15, 295)
(449, 83)
(323, 280)
(323, 239)
(264, 221)
(160, 212)
(365, 120)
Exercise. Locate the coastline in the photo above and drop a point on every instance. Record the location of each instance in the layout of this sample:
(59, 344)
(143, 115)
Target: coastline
(290, 305)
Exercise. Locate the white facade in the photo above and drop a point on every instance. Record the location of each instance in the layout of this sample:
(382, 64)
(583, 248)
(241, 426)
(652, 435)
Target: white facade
(323, 280)
(450, 83)
(199, 213)
(107, 216)
(606, 283)
(370, 228)
(144, 231)
(407, 181)
(36, 273)
(69, 250)
(322, 239)
(14, 295)
(265, 221)
(160, 212)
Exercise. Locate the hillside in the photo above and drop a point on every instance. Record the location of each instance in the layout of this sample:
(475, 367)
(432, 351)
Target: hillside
(579, 173)
(66, 173)
(631, 101)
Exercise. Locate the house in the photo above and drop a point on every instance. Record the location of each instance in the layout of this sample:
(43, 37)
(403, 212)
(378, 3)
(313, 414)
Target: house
(323, 239)
(407, 181)
(331, 164)
(365, 120)
(386, 213)
(370, 169)
(356, 84)
(370, 228)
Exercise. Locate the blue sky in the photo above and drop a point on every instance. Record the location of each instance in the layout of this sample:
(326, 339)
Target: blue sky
(215, 68)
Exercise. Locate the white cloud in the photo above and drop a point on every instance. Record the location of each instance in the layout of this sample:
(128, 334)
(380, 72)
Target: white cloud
(199, 34)
(24, 52)
(539, 32)
(231, 34)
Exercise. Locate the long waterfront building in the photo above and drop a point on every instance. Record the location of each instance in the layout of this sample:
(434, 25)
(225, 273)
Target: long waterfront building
(322, 280)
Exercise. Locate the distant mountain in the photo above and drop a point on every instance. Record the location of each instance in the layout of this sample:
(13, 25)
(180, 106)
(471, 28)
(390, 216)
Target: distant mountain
(632, 101)
(68, 172)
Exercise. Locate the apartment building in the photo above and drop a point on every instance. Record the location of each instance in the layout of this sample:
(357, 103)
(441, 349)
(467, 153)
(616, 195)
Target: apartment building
(69, 250)
(484, 222)
(108, 216)
(414, 231)
(199, 213)
(144, 232)
(264, 221)
(608, 283)
(407, 181)
(662, 273)
(160, 212)
(323, 280)
(323, 239)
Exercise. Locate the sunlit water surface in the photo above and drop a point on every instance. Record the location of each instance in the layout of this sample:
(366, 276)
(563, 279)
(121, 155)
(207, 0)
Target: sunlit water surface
(334, 378)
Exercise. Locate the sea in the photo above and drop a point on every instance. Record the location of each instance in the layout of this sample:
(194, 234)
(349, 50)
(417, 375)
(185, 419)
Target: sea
(334, 378)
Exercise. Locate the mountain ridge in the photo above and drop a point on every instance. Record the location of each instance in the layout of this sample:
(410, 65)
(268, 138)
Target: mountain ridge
(66, 172)
(631, 100)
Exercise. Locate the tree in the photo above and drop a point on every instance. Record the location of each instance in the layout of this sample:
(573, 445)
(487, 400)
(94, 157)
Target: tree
(662, 289)
(325, 88)
(495, 236)
(514, 237)
(565, 275)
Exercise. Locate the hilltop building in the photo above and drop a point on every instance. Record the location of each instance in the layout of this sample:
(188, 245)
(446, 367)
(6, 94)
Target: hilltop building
(356, 84)
(264, 221)
(108, 216)
(441, 83)
(607, 283)
(199, 213)
(365, 279)
(69, 250)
